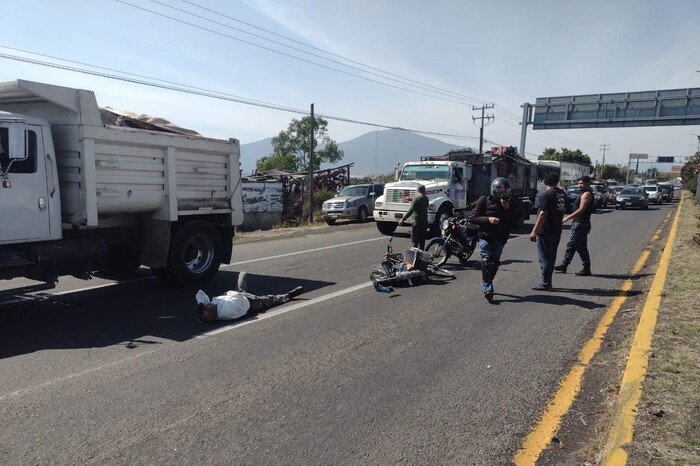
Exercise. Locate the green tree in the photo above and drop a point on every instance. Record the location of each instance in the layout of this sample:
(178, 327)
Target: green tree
(689, 172)
(565, 155)
(291, 147)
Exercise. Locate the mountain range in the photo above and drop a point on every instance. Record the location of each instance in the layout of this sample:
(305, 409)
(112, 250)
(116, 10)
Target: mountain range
(373, 154)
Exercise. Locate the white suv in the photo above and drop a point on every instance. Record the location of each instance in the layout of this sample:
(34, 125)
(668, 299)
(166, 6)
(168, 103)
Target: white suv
(654, 193)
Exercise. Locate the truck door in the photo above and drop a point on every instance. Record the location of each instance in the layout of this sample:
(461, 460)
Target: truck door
(24, 200)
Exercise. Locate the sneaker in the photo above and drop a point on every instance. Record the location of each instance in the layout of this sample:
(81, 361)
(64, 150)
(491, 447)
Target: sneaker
(489, 296)
(560, 268)
(584, 273)
(296, 291)
(242, 284)
(542, 287)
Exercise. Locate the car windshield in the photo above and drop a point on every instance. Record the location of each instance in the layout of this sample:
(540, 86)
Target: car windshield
(665, 188)
(599, 187)
(630, 191)
(352, 191)
(618, 188)
(650, 189)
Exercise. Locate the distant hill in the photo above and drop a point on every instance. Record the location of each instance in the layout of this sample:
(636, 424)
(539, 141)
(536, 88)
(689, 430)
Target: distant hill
(374, 153)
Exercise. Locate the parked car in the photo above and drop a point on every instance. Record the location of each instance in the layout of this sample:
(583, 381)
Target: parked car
(353, 202)
(600, 194)
(572, 192)
(654, 193)
(632, 197)
(666, 191)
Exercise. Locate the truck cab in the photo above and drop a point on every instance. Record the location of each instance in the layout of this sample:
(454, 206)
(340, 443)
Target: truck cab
(446, 184)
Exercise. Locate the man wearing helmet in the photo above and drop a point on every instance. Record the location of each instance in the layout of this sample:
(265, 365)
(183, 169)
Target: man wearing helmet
(494, 216)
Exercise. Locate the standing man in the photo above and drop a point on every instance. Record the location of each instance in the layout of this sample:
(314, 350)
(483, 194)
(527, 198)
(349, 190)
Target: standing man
(580, 228)
(495, 219)
(547, 229)
(419, 212)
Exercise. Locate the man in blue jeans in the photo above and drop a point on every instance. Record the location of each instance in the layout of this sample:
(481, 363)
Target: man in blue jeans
(495, 217)
(547, 229)
(580, 228)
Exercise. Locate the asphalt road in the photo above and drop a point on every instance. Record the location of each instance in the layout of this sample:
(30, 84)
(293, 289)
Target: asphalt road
(124, 374)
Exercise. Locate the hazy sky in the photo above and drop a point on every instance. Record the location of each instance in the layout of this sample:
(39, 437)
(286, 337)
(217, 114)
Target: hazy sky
(446, 55)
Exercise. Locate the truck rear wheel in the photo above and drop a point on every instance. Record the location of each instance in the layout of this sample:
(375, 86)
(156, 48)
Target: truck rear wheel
(195, 253)
(387, 228)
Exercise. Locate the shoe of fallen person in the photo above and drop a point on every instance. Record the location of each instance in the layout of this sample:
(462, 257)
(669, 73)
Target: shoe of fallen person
(296, 291)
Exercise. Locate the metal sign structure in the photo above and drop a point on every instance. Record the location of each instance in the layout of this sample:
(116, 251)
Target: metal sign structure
(669, 107)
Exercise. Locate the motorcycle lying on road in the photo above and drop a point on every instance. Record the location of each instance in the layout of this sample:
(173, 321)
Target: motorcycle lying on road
(459, 239)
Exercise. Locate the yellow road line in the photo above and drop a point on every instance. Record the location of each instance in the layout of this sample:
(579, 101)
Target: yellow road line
(631, 388)
(570, 385)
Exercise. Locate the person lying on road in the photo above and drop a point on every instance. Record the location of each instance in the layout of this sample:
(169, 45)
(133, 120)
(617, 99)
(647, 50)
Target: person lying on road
(239, 302)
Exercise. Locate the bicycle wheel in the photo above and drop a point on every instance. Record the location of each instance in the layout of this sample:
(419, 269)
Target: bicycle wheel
(436, 271)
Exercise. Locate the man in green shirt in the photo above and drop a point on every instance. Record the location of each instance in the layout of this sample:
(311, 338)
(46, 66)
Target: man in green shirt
(419, 214)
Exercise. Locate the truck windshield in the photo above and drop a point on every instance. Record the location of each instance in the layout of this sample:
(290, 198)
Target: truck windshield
(425, 172)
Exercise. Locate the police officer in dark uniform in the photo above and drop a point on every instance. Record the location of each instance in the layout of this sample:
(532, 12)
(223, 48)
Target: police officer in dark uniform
(495, 218)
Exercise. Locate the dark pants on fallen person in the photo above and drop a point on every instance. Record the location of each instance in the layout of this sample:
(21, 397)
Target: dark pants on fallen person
(260, 304)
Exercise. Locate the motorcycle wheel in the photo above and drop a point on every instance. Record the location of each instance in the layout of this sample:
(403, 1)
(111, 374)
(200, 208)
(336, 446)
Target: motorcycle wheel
(467, 253)
(438, 253)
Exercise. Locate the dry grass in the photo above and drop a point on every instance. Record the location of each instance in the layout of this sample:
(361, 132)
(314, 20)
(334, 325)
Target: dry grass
(667, 430)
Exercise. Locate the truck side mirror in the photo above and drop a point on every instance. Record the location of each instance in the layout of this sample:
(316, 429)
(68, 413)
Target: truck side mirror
(17, 136)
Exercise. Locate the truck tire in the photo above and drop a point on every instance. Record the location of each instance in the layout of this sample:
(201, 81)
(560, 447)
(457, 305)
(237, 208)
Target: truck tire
(195, 253)
(362, 214)
(387, 228)
(445, 211)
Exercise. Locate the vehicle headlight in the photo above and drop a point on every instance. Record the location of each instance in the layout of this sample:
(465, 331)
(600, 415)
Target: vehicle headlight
(378, 204)
(445, 223)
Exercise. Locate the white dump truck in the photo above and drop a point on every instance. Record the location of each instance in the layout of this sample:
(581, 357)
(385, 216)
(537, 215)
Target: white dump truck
(80, 196)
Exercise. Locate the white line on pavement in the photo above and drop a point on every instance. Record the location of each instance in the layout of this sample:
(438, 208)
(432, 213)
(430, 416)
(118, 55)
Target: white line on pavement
(286, 309)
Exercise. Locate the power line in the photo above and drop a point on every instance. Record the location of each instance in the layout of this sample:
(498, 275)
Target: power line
(293, 56)
(409, 80)
(170, 85)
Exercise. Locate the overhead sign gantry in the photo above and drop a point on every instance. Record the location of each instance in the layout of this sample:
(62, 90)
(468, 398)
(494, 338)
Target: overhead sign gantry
(669, 107)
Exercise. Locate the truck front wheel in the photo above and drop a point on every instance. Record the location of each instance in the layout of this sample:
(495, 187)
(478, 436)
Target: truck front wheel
(386, 228)
(443, 212)
(195, 253)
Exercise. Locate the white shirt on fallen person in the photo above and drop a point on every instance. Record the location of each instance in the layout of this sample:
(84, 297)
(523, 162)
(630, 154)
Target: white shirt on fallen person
(231, 305)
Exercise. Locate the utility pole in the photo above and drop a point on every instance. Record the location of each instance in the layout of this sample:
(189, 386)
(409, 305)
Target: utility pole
(312, 129)
(603, 147)
(489, 119)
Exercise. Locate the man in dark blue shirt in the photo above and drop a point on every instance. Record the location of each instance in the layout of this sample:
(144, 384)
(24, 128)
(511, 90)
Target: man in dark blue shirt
(547, 229)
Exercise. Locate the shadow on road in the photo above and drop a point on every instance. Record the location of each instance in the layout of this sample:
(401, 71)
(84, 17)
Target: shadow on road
(553, 298)
(132, 314)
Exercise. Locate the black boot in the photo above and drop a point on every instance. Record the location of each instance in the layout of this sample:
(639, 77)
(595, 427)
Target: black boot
(560, 268)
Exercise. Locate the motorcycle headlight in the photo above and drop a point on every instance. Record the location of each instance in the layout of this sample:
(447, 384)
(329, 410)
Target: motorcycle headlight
(445, 224)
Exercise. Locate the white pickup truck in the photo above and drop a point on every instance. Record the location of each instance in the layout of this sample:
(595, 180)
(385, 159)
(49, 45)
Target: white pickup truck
(79, 196)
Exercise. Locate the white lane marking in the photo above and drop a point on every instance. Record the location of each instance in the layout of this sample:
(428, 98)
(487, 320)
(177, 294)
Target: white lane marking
(285, 309)
(23, 391)
(223, 267)
(267, 315)
(303, 252)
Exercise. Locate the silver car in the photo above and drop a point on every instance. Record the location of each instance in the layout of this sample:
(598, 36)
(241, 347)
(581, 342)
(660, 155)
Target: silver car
(654, 194)
(353, 202)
